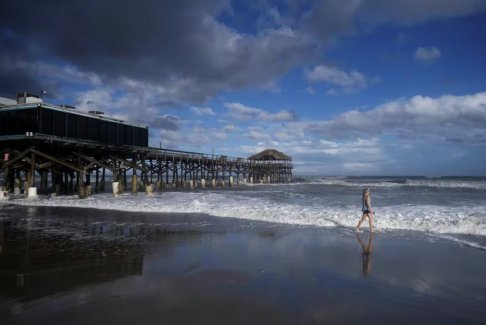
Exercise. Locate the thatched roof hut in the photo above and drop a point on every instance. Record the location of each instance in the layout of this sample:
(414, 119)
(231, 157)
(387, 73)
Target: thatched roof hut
(270, 154)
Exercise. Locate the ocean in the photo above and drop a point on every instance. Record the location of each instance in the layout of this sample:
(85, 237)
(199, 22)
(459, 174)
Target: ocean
(453, 208)
(259, 254)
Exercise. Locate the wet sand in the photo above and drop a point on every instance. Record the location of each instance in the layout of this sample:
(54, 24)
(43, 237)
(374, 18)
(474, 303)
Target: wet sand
(83, 266)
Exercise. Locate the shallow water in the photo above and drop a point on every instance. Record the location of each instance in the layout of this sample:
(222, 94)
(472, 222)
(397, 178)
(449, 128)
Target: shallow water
(454, 208)
(78, 266)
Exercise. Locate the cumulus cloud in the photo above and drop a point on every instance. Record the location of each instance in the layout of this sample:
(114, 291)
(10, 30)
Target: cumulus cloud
(259, 134)
(310, 90)
(347, 81)
(170, 139)
(242, 112)
(221, 135)
(381, 139)
(194, 138)
(427, 54)
(94, 99)
(355, 147)
(317, 156)
(462, 118)
(129, 106)
(202, 111)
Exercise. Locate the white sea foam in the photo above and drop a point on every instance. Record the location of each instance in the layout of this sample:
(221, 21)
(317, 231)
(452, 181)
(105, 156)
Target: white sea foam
(427, 218)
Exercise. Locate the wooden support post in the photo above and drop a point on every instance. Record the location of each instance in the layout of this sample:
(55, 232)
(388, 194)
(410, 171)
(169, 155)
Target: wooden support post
(32, 170)
(88, 178)
(87, 185)
(28, 180)
(70, 178)
(43, 184)
(65, 183)
(103, 182)
(134, 181)
(151, 172)
(115, 189)
(143, 177)
(148, 190)
(6, 176)
(57, 182)
(166, 172)
(80, 185)
(175, 175)
(97, 184)
(122, 179)
(182, 171)
(17, 186)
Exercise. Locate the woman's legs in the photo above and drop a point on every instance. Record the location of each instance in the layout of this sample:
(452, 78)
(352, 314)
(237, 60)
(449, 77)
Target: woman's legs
(370, 219)
(361, 221)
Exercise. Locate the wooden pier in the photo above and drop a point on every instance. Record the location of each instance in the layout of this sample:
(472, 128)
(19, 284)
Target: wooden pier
(65, 166)
(57, 149)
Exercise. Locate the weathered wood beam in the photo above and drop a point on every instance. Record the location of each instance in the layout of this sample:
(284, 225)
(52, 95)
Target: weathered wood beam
(18, 165)
(130, 164)
(45, 165)
(95, 161)
(58, 161)
(20, 156)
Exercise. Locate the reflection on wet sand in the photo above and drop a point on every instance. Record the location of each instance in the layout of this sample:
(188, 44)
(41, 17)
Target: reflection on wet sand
(367, 250)
(40, 257)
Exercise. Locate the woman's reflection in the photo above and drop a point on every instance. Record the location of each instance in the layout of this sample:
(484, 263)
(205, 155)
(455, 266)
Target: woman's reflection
(367, 251)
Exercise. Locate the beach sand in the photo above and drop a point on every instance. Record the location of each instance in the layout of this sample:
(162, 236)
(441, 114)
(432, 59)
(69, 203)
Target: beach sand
(86, 266)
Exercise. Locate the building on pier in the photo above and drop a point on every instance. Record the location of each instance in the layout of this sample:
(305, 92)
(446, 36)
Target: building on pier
(61, 149)
(30, 115)
(271, 166)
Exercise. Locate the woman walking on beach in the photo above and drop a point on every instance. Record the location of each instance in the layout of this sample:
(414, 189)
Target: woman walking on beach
(367, 211)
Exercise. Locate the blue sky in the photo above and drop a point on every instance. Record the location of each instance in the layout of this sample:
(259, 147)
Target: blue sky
(358, 87)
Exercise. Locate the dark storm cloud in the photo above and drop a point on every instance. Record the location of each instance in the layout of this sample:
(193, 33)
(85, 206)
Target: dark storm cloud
(177, 45)
(185, 51)
(13, 81)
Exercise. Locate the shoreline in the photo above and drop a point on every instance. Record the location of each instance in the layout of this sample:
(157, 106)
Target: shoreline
(197, 205)
(85, 264)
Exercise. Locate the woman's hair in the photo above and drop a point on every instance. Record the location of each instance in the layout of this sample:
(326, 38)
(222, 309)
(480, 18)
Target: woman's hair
(366, 191)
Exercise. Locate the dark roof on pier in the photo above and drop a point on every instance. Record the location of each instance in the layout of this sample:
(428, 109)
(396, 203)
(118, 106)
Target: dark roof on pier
(270, 154)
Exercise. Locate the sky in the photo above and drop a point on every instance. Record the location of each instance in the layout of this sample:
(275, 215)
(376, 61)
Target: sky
(345, 87)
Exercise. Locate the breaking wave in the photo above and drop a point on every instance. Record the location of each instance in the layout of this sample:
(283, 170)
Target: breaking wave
(469, 220)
